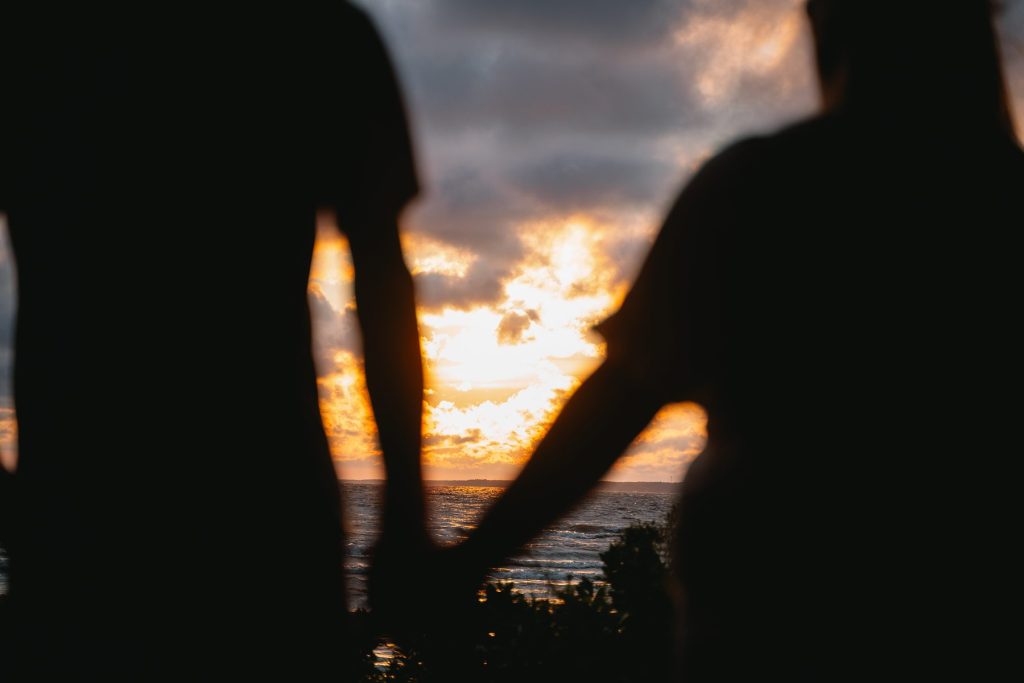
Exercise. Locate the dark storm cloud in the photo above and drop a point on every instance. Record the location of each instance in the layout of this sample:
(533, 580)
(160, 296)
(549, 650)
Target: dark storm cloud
(525, 109)
(474, 209)
(7, 299)
(522, 94)
(6, 368)
(8, 303)
(482, 284)
(579, 180)
(533, 108)
(602, 21)
(334, 331)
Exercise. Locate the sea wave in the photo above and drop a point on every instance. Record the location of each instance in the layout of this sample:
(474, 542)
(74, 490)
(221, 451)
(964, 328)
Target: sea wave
(570, 548)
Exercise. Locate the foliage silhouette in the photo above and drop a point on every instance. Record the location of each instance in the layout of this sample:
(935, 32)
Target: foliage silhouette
(617, 630)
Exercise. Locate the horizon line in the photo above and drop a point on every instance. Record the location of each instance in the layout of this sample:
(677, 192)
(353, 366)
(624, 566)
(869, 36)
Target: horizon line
(427, 481)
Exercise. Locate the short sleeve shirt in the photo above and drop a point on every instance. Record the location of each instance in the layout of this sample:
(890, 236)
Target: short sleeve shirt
(669, 332)
(313, 92)
(369, 164)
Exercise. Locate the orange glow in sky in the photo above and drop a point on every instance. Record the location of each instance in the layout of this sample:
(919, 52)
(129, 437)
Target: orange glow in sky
(497, 373)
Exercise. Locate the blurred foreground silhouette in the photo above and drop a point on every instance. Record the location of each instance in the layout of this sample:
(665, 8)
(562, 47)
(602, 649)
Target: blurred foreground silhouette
(175, 511)
(839, 296)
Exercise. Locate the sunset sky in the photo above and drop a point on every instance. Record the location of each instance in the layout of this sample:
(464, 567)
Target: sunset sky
(551, 137)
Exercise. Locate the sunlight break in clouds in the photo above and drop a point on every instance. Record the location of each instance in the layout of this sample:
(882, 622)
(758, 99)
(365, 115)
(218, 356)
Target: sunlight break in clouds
(497, 374)
(529, 366)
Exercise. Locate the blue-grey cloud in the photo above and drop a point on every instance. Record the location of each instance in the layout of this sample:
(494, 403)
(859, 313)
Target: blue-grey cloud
(8, 303)
(482, 284)
(600, 21)
(522, 94)
(334, 331)
(528, 108)
(532, 108)
(575, 179)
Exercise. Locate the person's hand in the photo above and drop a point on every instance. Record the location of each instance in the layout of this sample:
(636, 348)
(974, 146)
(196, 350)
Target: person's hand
(418, 588)
(395, 572)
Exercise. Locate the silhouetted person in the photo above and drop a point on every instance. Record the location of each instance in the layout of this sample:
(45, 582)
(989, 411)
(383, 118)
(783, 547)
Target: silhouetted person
(840, 297)
(176, 512)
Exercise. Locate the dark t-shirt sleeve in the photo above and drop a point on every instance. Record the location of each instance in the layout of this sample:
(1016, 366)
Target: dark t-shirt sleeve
(370, 168)
(669, 334)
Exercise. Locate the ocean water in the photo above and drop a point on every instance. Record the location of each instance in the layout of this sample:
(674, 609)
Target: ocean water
(570, 548)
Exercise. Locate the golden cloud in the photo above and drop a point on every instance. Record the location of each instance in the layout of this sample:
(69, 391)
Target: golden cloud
(492, 392)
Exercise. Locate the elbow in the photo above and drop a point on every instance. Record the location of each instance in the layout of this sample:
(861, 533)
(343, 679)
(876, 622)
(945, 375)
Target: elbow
(634, 377)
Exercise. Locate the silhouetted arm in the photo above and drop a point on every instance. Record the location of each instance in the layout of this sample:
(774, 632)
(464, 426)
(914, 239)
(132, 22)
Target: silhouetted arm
(371, 177)
(394, 373)
(598, 423)
(663, 347)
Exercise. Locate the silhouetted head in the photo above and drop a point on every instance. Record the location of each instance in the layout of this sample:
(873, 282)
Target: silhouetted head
(940, 59)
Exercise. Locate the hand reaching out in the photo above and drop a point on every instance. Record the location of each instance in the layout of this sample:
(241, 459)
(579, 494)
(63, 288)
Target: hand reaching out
(417, 587)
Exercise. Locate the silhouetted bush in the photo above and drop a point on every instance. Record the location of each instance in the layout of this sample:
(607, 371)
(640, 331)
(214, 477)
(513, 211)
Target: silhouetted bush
(617, 631)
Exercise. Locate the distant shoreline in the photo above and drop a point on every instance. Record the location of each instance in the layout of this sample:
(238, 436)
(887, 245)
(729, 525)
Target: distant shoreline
(620, 486)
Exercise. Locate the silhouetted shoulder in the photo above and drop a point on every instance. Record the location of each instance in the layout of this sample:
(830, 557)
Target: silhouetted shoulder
(368, 164)
(780, 155)
(808, 130)
(664, 334)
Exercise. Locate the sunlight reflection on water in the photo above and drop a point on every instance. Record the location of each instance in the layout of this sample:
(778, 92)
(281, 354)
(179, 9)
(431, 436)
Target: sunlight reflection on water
(571, 548)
